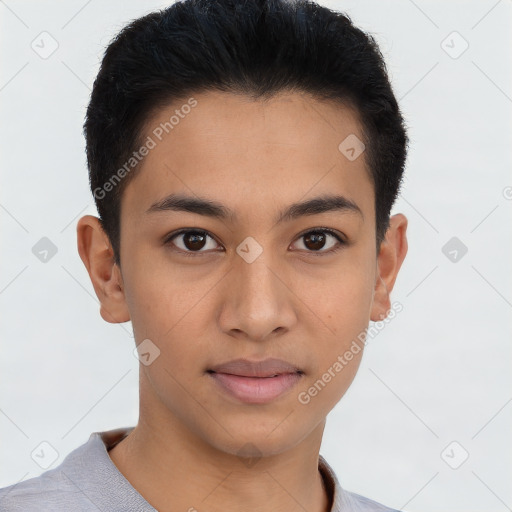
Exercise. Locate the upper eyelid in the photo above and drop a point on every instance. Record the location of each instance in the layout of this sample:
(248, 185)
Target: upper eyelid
(168, 238)
(320, 229)
(171, 236)
(339, 237)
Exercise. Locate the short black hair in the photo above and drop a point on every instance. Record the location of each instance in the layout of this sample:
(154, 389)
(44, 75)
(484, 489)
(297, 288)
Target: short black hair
(252, 47)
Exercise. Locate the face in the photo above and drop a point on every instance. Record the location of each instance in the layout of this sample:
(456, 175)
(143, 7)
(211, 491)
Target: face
(245, 276)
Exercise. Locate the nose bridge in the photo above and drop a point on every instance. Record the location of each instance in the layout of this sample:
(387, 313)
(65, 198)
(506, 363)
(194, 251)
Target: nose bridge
(258, 302)
(259, 288)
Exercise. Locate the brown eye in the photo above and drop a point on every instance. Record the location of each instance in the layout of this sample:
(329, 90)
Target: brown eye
(192, 241)
(314, 240)
(321, 241)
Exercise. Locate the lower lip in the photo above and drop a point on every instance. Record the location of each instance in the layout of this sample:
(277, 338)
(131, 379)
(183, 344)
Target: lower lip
(256, 390)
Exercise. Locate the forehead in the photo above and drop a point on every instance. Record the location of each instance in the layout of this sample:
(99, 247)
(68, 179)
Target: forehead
(250, 153)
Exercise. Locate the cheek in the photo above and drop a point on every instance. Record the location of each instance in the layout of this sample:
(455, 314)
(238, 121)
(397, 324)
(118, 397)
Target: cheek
(341, 300)
(342, 305)
(344, 308)
(162, 297)
(170, 317)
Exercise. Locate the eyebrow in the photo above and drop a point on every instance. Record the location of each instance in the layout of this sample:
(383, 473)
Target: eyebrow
(210, 208)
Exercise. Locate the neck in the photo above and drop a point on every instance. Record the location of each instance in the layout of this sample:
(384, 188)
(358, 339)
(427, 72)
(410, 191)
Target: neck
(175, 469)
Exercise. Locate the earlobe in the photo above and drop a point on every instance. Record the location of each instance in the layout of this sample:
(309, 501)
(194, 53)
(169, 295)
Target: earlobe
(98, 257)
(391, 256)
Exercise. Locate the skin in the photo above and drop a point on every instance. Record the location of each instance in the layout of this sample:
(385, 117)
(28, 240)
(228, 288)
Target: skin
(293, 302)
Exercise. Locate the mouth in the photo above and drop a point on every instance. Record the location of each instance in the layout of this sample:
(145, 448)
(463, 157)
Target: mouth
(268, 368)
(255, 382)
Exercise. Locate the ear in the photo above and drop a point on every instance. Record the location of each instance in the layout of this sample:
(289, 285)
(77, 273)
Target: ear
(391, 256)
(98, 256)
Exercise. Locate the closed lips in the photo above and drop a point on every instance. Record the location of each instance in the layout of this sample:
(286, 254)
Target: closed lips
(263, 369)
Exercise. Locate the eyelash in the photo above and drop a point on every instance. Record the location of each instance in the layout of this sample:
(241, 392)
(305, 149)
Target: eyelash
(168, 240)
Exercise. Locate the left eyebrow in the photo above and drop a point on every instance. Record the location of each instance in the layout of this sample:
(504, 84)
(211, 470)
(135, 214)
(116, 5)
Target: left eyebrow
(209, 208)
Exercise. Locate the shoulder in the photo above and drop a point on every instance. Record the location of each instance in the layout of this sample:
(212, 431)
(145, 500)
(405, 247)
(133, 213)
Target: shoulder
(85, 480)
(357, 503)
(51, 491)
(346, 501)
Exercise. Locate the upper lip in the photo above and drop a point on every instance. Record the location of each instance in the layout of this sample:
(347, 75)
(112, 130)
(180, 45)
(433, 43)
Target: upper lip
(245, 368)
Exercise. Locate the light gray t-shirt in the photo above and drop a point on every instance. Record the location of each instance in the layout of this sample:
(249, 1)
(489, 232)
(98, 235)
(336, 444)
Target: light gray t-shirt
(88, 480)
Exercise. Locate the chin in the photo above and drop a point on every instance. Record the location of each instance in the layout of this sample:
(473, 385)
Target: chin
(251, 441)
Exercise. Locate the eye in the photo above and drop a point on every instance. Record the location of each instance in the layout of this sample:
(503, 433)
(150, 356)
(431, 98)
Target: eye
(191, 241)
(316, 240)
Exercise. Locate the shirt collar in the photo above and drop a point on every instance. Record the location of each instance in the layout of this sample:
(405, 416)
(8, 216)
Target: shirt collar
(101, 442)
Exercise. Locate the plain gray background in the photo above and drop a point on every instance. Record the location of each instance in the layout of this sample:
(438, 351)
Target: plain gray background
(439, 373)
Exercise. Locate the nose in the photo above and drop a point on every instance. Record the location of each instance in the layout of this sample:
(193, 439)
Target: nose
(258, 301)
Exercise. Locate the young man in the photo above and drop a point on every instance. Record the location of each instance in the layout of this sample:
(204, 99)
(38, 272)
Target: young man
(244, 157)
